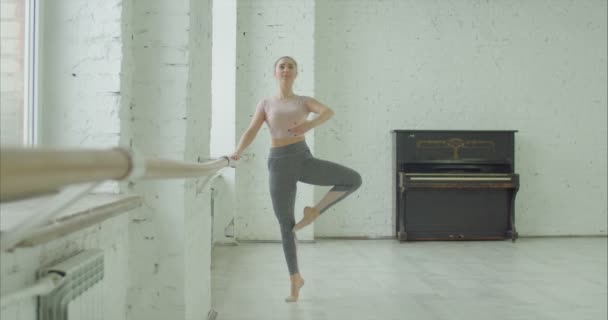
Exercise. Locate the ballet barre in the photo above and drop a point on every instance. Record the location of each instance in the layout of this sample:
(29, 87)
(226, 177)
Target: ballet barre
(32, 172)
(71, 174)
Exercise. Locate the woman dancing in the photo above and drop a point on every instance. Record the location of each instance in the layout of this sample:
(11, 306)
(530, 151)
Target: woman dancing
(290, 160)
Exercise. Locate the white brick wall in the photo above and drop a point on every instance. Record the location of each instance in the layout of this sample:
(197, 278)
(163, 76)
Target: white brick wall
(197, 211)
(158, 110)
(80, 65)
(12, 39)
(132, 70)
(138, 72)
(537, 67)
(168, 116)
(79, 84)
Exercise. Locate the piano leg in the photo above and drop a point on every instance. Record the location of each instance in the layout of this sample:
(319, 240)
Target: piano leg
(402, 234)
(513, 232)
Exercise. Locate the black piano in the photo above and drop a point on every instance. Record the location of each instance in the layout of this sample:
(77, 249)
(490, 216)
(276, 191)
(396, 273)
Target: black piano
(454, 185)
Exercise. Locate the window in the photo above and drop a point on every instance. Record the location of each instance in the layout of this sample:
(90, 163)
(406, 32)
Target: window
(17, 71)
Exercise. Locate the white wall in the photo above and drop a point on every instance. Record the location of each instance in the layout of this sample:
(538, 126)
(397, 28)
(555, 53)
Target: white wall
(80, 65)
(80, 75)
(12, 41)
(137, 72)
(267, 30)
(168, 116)
(80, 99)
(197, 213)
(534, 66)
(158, 109)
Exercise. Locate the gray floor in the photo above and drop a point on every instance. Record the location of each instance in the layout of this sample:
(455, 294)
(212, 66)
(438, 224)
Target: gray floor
(533, 278)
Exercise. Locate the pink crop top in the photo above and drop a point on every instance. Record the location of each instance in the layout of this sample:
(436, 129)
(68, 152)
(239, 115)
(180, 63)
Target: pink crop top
(281, 115)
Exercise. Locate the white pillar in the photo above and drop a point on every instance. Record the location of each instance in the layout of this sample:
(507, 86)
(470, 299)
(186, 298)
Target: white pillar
(168, 116)
(223, 131)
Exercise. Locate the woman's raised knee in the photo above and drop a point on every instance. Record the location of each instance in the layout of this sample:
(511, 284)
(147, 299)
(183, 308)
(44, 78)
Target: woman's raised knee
(357, 181)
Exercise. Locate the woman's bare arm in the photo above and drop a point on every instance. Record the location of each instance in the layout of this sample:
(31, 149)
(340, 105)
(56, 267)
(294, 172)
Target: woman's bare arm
(249, 134)
(324, 114)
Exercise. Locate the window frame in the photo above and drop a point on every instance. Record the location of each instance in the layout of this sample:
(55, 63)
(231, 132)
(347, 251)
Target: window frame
(30, 76)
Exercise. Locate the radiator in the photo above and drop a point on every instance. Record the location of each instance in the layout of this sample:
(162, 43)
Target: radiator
(80, 294)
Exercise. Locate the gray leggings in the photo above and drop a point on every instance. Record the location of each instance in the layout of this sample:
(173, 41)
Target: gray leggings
(292, 163)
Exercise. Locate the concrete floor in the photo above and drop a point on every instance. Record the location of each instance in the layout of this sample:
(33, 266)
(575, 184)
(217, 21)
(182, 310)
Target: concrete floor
(533, 278)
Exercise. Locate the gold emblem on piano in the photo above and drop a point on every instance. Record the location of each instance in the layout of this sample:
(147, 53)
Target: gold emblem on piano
(455, 144)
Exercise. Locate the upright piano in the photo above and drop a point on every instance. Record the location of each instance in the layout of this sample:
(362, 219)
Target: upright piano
(454, 185)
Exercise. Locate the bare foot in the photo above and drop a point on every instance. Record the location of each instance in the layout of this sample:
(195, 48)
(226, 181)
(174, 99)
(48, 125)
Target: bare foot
(296, 285)
(310, 214)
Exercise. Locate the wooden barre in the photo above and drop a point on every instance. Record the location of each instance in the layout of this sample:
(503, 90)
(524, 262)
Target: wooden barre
(28, 172)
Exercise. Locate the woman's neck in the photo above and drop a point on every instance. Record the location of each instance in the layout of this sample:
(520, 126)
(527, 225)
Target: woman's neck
(285, 92)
